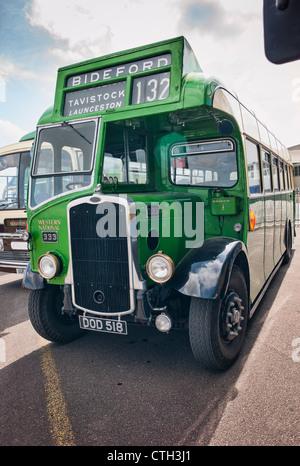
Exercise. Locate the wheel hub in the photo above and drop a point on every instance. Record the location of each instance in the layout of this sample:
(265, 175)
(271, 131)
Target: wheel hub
(232, 316)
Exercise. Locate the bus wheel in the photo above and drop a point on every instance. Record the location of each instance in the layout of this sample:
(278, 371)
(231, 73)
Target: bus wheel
(44, 307)
(288, 252)
(217, 327)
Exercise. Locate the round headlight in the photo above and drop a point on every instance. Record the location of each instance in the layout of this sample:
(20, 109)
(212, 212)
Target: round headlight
(160, 268)
(163, 322)
(49, 266)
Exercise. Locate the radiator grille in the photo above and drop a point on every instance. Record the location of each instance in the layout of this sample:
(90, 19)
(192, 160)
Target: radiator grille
(14, 256)
(100, 263)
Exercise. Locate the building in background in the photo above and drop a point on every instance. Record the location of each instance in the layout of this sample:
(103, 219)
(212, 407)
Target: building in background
(295, 154)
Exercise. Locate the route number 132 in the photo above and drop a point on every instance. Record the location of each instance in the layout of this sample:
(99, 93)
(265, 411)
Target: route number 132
(150, 88)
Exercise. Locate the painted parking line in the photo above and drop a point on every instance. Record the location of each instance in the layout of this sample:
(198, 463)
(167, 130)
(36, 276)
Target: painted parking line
(60, 425)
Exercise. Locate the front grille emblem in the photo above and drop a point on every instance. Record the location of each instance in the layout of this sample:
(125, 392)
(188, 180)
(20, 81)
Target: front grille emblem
(98, 297)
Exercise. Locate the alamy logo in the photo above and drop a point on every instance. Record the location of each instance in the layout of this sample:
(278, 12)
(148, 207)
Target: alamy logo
(169, 219)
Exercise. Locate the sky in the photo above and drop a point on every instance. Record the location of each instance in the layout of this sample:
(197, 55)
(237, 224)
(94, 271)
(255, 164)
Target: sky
(39, 36)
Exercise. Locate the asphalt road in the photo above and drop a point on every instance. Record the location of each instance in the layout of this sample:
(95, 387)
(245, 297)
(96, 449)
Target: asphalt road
(145, 389)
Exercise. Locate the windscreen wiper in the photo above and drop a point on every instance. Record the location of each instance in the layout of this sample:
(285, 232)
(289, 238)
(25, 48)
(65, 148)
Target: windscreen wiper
(65, 123)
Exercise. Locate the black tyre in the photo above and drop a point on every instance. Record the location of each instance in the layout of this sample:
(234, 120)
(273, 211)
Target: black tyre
(288, 252)
(217, 327)
(44, 307)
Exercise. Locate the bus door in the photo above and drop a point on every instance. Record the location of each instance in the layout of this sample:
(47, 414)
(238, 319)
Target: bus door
(289, 194)
(256, 234)
(283, 207)
(269, 213)
(277, 205)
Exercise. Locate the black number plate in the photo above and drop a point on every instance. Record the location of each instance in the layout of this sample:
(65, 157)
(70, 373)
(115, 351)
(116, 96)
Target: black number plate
(49, 236)
(103, 325)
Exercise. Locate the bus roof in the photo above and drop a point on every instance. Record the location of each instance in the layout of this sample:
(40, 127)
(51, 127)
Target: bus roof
(28, 136)
(160, 77)
(116, 82)
(16, 147)
(249, 124)
(180, 43)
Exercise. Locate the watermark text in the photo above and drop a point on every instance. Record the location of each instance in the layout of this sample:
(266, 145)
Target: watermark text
(166, 220)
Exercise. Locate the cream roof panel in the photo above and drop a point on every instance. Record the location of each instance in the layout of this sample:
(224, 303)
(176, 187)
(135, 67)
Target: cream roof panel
(225, 101)
(17, 147)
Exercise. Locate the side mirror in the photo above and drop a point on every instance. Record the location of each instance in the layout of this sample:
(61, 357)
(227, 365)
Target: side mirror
(282, 30)
(225, 127)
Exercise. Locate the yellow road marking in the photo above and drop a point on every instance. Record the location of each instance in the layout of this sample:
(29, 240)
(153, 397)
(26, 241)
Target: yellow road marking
(60, 425)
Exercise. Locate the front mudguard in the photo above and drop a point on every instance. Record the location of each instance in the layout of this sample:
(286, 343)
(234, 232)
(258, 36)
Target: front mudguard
(32, 280)
(204, 272)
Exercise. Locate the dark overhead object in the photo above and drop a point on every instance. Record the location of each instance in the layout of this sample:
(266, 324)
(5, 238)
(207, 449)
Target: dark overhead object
(282, 30)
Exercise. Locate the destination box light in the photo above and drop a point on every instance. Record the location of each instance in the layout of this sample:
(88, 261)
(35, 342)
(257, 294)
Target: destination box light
(93, 99)
(145, 75)
(138, 66)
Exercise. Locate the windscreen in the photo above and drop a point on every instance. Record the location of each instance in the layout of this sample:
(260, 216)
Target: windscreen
(63, 160)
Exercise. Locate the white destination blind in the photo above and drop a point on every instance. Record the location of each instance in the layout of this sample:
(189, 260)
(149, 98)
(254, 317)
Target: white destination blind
(150, 88)
(95, 99)
(138, 66)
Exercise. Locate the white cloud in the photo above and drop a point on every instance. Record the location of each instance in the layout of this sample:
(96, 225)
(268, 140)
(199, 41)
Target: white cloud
(227, 38)
(98, 28)
(2, 90)
(208, 18)
(10, 133)
(12, 70)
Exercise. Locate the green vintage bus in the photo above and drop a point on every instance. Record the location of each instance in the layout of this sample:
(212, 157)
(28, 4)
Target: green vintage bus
(155, 198)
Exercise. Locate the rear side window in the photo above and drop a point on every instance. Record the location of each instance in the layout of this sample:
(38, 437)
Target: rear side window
(267, 175)
(204, 163)
(275, 174)
(253, 165)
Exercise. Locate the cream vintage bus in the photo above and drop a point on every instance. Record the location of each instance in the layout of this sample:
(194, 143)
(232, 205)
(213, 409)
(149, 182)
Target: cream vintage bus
(14, 170)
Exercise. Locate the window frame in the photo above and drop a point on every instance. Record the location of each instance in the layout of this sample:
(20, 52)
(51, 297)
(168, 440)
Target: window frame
(127, 151)
(203, 141)
(265, 152)
(35, 174)
(259, 159)
(274, 157)
(33, 177)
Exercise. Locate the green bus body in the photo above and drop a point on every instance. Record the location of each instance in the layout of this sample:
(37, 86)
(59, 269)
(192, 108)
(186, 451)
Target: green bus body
(194, 191)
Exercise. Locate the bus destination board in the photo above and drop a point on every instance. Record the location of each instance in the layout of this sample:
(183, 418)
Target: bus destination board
(97, 98)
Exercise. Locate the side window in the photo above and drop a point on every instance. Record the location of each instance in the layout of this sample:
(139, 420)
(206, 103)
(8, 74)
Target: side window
(290, 174)
(267, 172)
(9, 171)
(296, 170)
(275, 174)
(204, 163)
(287, 181)
(282, 184)
(253, 164)
(23, 180)
(125, 159)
